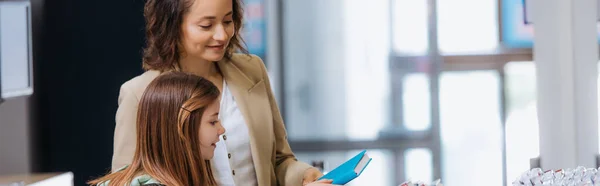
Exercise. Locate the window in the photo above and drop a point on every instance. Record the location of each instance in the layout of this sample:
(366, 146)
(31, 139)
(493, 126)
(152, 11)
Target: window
(416, 98)
(467, 26)
(471, 129)
(410, 27)
(419, 165)
(361, 75)
(522, 130)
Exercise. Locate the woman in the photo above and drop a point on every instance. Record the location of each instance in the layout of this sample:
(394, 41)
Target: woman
(178, 129)
(199, 37)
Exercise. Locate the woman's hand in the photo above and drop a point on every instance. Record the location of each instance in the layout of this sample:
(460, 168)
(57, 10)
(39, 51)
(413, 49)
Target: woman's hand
(311, 175)
(323, 182)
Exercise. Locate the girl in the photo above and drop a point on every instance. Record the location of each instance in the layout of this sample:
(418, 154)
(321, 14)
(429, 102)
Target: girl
(177, 132)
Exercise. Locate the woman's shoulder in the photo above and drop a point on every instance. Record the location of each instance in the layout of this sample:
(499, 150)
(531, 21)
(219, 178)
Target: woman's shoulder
(248, 63)
(244, 58)
(138, 84)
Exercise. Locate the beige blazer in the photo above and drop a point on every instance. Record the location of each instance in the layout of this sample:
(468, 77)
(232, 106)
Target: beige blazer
(246, 76)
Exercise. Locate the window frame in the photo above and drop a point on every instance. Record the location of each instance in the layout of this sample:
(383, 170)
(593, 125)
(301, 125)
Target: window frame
(399, 66)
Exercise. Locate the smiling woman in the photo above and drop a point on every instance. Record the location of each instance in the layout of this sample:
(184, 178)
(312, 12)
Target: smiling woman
(200, 37)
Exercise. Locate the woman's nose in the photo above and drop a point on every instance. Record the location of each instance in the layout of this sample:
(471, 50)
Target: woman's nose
(220, 34)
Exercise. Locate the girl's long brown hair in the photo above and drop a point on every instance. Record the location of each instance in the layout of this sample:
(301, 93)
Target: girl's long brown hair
(168, 124)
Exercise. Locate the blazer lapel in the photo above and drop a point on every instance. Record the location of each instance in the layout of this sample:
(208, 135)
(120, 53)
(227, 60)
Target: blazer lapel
(253, 103)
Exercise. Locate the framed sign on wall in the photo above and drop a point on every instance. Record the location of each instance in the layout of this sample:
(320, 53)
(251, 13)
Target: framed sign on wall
(517, 23)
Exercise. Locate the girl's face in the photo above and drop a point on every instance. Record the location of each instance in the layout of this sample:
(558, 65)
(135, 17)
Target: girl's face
(210, 130)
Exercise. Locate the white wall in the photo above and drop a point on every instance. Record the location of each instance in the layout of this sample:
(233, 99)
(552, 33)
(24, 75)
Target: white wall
(566, 55)
(14, 136)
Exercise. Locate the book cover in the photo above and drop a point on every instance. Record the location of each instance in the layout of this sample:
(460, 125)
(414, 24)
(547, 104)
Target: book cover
(349, 170)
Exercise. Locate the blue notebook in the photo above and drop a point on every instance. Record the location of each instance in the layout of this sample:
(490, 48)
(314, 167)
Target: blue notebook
(349, 170)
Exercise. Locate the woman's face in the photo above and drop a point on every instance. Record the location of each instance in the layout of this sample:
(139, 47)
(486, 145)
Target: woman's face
(210, 130)
(207, 29)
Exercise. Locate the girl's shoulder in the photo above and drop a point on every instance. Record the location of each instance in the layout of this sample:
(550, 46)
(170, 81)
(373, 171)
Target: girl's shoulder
(141, 180)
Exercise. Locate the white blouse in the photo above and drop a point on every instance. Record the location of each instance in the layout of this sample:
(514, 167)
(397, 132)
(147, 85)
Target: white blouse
(232, 163)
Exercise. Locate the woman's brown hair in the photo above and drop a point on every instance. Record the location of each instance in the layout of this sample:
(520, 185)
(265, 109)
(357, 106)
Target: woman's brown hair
(163, 32)
(168, 141)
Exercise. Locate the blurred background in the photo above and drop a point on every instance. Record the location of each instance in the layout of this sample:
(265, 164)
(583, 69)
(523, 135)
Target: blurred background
(431, 88)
